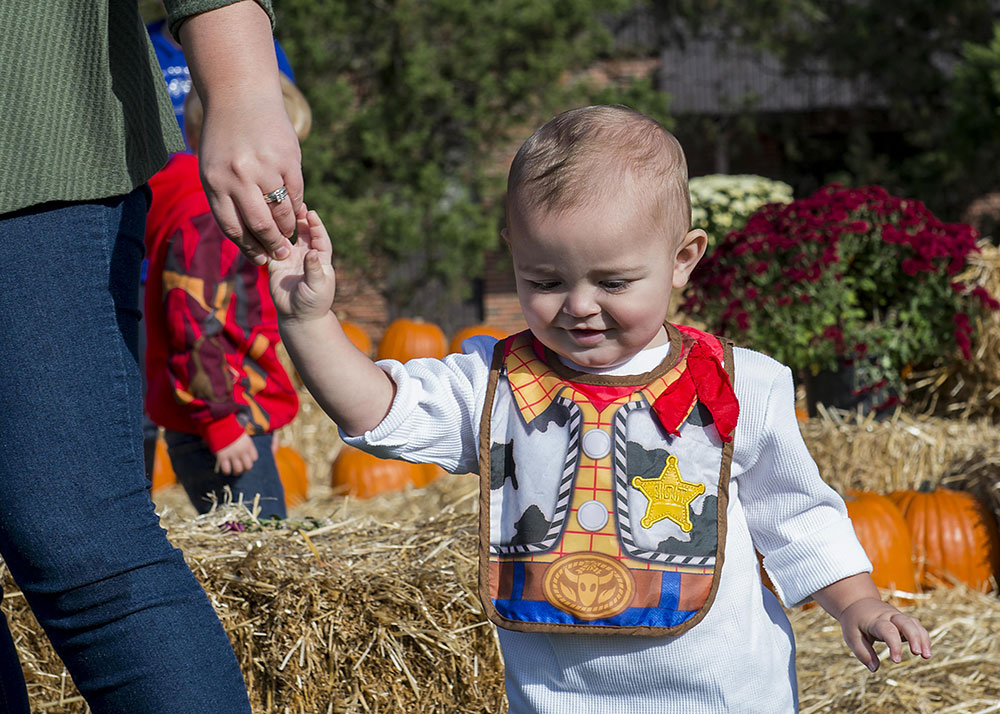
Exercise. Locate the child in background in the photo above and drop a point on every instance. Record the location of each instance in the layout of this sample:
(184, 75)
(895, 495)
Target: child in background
(214, 379)
(629, 468)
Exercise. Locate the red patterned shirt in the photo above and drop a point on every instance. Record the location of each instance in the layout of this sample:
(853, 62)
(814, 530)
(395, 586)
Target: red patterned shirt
(211, 327)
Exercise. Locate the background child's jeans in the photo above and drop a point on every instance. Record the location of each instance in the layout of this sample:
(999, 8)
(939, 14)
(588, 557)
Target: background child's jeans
(194, 464)
(77, 527)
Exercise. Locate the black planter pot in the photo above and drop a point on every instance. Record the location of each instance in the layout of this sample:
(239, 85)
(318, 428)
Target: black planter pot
(841, 389)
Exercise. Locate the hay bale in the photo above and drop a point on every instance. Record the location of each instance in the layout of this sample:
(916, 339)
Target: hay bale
(902, 452)
(371, 606)
(351, 612)
(979, 474)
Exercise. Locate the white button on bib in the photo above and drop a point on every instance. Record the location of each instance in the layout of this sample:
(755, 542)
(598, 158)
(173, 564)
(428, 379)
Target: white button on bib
(596, 443)
(592, 516)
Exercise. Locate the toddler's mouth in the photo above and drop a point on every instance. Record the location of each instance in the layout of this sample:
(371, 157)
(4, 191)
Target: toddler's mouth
(586, 337)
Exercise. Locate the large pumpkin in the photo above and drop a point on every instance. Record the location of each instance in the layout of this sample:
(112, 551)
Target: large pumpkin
(358, 337)
(294, 475)
(163, 471)
(362, 475)
(885, 537)
(407, 339)
(471, 331)
(954, 537)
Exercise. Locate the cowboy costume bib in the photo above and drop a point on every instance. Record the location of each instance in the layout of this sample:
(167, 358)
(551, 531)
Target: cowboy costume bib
(603, 499)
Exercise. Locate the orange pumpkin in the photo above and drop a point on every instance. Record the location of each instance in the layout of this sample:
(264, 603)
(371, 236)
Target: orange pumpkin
(885, 537)
(954, 537)
(406, 339)
(163, 471)
(471, 331)
(294, 475)
(430, 473)
(362, 475)
(358, 337)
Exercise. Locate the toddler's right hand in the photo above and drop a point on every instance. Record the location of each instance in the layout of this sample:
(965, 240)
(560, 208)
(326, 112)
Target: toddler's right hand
(304, 284)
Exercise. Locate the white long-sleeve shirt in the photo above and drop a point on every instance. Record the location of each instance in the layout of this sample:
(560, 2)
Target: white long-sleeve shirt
(740, 658)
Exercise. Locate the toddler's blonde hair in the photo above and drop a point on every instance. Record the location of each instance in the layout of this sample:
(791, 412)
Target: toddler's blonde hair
(585, 152)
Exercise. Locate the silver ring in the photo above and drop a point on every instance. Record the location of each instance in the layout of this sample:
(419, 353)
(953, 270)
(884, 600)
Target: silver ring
(277, 195)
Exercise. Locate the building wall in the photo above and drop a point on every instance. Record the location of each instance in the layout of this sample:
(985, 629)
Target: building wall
(500, 306)
(359, 301)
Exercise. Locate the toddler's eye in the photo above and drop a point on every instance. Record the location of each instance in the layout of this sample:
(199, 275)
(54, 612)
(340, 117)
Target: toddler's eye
(544, 285)
(614, 286)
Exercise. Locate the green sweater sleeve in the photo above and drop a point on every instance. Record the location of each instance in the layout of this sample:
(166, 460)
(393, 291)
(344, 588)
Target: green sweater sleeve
(180, 10)
(84, 110)
(85, 113)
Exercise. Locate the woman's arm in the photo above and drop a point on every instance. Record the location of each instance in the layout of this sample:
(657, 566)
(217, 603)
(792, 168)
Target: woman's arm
(248, 146)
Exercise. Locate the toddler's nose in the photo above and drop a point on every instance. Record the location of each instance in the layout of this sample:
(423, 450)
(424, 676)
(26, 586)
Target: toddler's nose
(581, 302)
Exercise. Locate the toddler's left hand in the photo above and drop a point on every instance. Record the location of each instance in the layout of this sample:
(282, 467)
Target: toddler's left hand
(304, 284)
(869, 620)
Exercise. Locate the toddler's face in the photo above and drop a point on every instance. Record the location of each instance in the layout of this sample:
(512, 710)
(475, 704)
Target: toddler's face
(594, 281)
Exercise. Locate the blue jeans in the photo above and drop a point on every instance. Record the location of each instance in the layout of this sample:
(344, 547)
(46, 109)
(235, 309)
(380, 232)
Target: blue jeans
(77, 527)
(194, 464)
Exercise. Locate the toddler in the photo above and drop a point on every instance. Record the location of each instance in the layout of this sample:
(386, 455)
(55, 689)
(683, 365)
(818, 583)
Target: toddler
(629, 468)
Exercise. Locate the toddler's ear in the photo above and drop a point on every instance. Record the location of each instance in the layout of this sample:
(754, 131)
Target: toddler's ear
(689, 252)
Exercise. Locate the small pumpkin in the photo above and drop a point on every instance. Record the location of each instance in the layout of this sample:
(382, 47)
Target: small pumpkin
(358, 337)
(407, 339)
(471, 331)
(363, 475)
(293, 474)
(882, 532)
(954, 537)
(163, 471)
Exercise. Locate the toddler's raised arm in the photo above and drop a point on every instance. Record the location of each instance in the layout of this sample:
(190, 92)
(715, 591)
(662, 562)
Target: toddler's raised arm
(344, 381)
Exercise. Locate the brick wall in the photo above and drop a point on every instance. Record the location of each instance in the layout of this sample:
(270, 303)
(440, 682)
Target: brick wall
(359, 301)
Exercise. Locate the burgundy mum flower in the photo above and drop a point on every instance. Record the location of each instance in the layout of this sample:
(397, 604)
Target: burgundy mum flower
(883, 266)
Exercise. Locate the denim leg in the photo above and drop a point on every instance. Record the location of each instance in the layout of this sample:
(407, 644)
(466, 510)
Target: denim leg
(78, 530)
(194, 464)
(149, 429)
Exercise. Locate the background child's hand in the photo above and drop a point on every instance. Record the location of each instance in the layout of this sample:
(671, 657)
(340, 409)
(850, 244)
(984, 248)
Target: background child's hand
(869, 620)
(237, 457)
(304, 284)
